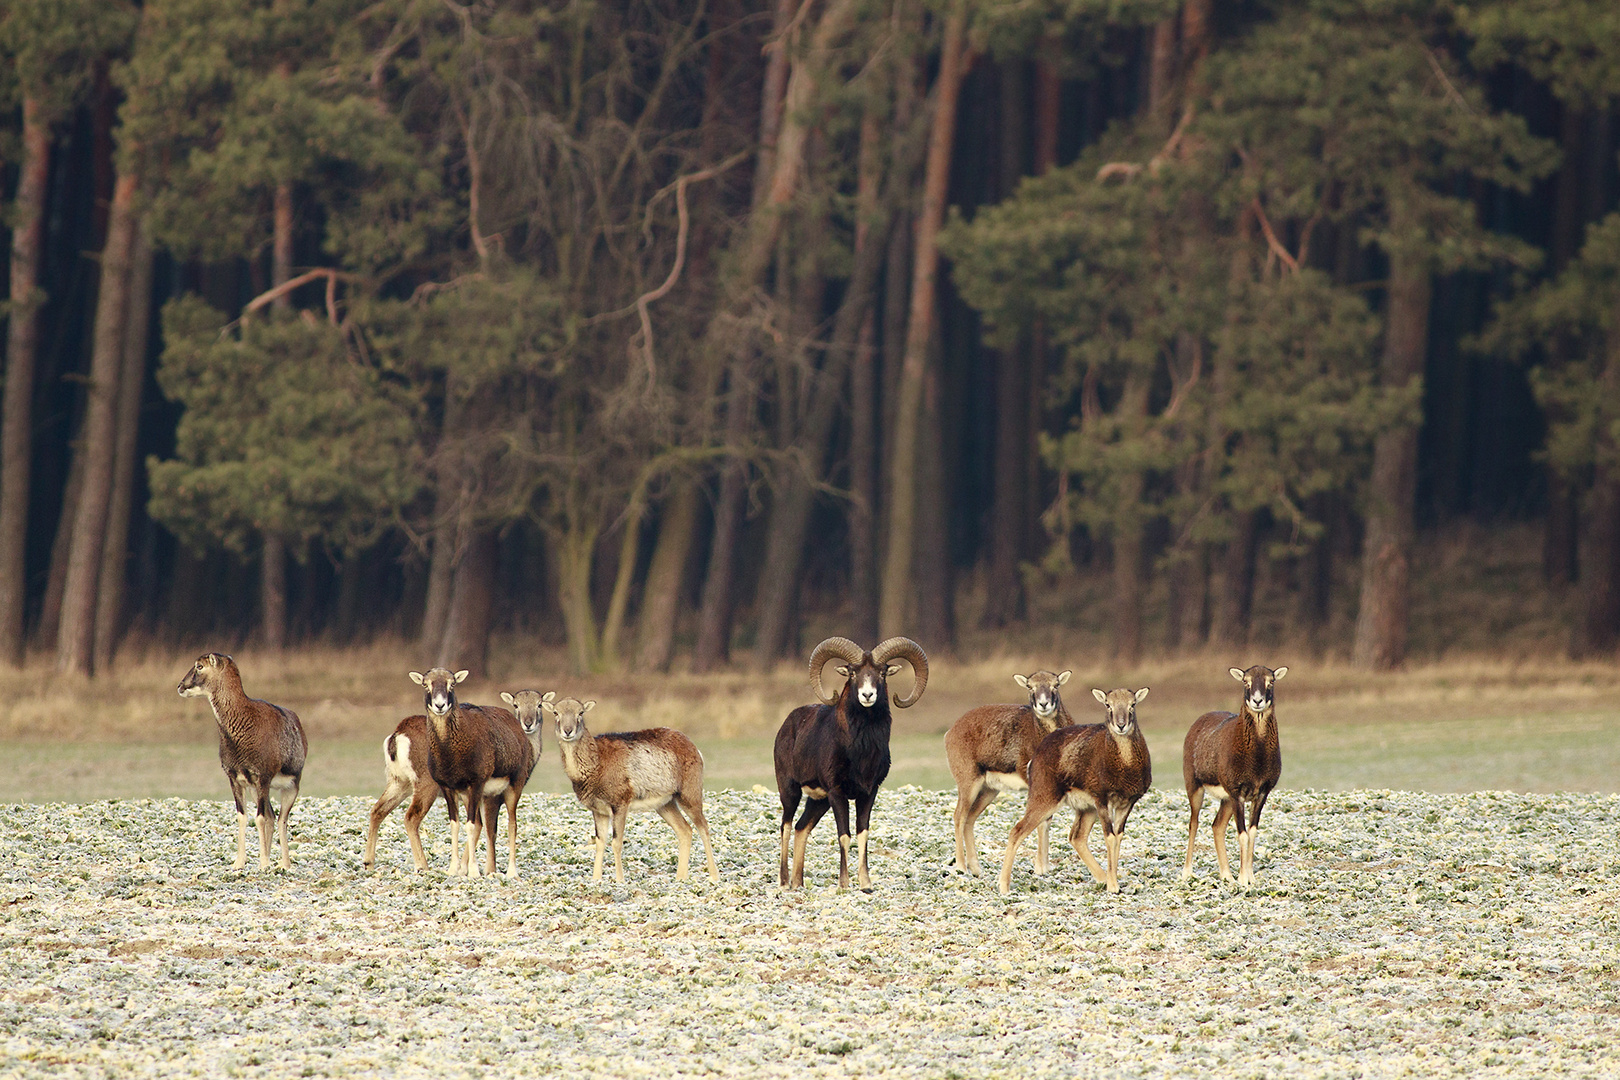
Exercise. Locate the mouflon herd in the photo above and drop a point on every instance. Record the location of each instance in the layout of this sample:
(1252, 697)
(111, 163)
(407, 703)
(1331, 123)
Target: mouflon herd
(827, 756)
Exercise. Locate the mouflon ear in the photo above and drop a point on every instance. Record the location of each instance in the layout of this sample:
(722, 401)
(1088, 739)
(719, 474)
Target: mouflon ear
(1022, 680)
(1236, 673)
(416, 677)
(587, 707)
(1063, 677)
(509, 699)
(461, 676)
(1279, 673)
(549, 695)
(1100, 696)
(1142, 693)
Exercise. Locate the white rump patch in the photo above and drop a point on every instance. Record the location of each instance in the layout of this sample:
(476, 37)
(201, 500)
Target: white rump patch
(1217, 793)
(815, 792)
(1079, 800)
(1005, 781)
(496, 786)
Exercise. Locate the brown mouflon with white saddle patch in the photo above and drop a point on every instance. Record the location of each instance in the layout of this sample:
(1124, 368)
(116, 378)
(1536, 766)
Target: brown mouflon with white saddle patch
(261, 746)
(1101, 770)
(479, 754)
(1235, 758)
(656, 769)
(989, 749)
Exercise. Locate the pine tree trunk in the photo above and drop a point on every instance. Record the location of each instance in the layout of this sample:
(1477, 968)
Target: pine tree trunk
(575, 553)
(897, 585)
(863, 390)
(1600, 617)
(273, 551)
(1561, 531)
(50, 613)
(1230, 624)
(1386, 571)
(273, 591)
(1004, 599)
(779, 584)
(131, 383)
(717, 608)
(863, 578)
(22, 342)
(75, 644)
(1129, 558)
(472, 605)
(666, 576)
(447, 539)
(935, 575)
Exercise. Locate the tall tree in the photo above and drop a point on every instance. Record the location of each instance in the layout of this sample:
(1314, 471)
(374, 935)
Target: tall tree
(131, 386)
(903, 489)
(49, 48)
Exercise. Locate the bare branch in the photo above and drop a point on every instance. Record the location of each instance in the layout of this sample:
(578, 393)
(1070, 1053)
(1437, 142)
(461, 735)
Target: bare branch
(331, 276)
(683, 217)
(1453, 95)
(1272, 242)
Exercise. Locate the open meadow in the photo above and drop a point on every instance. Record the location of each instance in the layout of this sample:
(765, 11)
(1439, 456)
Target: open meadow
(1438, 893)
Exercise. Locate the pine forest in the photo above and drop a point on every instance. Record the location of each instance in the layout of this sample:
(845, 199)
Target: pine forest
(668, 332)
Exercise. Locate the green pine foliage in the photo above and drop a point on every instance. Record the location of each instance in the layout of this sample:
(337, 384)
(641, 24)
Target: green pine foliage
(1571, 326)
(285, 432)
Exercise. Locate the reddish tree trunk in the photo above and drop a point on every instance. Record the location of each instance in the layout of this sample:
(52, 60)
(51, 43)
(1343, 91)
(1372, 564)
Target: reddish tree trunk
(131, 382)
(1600, 618)
(472, 606)
(1386, 571)
(75, 643)
(22, 341)
(897, 564)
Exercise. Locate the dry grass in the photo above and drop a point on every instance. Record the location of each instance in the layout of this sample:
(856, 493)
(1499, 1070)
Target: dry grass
(1461, 723)
(1488, 701)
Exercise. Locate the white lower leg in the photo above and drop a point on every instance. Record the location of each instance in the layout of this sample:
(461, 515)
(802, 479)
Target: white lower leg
(864, 876)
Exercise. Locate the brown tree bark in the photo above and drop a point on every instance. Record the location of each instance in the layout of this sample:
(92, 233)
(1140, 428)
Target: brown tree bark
(50, 612)
(273, 549)
(935, 574)
(1229, 624)
(1004, 599)
(717, 607)
(75, 643)
(790, 516)
(1386, 570)
(666, 576)
(131, 382)
(1129, 529)
(1561, 530)
(897, 585)
(863, 392)
(22, 342)
(472, 606)
(446, 534)
(1599, 631)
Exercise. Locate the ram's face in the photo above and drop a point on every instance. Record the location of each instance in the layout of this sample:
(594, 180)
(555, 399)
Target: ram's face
(867, 683)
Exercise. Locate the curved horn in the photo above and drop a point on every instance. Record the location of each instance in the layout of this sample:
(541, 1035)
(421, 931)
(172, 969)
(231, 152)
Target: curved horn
(912, 653)
(841, 647)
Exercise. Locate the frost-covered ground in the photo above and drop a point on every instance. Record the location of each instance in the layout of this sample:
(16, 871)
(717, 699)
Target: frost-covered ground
(1388, 934)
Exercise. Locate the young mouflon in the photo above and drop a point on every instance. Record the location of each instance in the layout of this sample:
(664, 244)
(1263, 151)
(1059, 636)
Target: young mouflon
(261, 747)
(1101, 770)
(1236, 759)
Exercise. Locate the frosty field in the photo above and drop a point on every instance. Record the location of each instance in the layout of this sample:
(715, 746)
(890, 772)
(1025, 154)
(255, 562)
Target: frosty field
(1389, 934)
